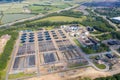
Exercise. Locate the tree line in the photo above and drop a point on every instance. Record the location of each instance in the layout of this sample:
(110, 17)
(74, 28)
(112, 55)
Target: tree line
(114, 77)
(5, 55)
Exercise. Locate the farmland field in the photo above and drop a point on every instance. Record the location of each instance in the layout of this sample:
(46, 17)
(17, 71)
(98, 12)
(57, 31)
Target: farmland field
(62, 18)
(31, 8)
(59, 18)
(4, 7)
(42, 9)
(16, 11)
(47, 8)
(13, 17)
(13, 12)
(12, 7)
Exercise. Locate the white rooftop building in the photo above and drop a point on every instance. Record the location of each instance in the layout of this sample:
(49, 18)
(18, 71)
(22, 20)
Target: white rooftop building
(116, 18)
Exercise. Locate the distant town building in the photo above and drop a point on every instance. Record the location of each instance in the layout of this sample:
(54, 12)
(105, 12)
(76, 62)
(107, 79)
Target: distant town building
(2, 1)
(116, 19)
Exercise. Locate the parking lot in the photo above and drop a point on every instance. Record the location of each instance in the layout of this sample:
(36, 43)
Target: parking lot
(46, 51)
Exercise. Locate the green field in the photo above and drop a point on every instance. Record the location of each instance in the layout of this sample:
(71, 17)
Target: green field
(100, 66)
(19, 75)
(76, 65)
(62, 18)
(46, 8)
(42, 9)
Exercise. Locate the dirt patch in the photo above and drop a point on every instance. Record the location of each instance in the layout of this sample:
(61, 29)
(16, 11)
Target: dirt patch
(73, 74)
(3, 41)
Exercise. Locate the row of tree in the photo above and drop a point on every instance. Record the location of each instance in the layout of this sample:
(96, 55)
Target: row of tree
(5, 55)
(116, 34)
(109, 12)
(69, 13)
(97, 23)
(114, 77)
(92, 20)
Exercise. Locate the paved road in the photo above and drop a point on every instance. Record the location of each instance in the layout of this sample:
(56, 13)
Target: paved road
(96, 54)
(91, 63)
(117, 53)
(87, 58)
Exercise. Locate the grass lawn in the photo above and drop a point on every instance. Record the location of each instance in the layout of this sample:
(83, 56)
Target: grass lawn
(104, 37)
(76, 65)
(62, 18)
(50, 28)
(100, 66)
(77, 42)
(3, 74)
(19, 75)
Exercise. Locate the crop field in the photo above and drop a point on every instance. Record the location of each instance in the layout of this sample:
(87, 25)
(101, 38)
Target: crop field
(12, 7)
(4, 7)
(13, 17)
(46, 8)
(33, 6)
(63, 18)
(42, 9)
(13, 12)
(22, 10)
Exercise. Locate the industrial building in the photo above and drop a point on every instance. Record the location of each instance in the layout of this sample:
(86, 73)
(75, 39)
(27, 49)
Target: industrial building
(43, 50)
